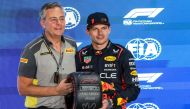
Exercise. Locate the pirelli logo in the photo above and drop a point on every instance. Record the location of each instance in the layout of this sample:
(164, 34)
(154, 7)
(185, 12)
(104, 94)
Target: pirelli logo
(70, 50)
(24, 60)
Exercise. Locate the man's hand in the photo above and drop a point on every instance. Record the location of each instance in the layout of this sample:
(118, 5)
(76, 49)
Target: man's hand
(104, 104)
(64, 88)
(107, 104)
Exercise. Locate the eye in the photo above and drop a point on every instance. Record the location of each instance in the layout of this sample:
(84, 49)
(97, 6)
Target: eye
(62, 19)
(104, 28)
(53, 20)
(94, 29)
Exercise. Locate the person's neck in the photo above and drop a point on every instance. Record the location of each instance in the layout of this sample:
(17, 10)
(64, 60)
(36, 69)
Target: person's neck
(56, 42)
(99, 47)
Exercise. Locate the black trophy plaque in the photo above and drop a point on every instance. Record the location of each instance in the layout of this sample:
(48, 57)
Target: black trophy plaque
(87, 92)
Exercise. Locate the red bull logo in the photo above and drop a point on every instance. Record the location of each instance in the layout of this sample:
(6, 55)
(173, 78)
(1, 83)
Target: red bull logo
(106, 86)
(121, 101)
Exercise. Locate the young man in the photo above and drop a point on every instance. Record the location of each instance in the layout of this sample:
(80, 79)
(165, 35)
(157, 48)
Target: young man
(46, 61)
(112, 62)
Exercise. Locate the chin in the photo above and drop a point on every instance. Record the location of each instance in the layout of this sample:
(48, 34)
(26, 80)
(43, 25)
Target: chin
(100, 43)
(59, 34)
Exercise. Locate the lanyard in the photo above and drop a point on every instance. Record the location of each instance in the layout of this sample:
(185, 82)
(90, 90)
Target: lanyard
(60, 59)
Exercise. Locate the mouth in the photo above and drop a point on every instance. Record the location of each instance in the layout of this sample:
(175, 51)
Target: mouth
(58, 28)
(100, 37)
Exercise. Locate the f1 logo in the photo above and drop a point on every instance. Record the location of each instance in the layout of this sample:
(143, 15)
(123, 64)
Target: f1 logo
(149, 77)
(150, 12)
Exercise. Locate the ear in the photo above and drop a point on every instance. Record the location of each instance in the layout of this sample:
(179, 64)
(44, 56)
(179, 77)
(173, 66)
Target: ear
(109, 30)
(42, 23)
(87, 31)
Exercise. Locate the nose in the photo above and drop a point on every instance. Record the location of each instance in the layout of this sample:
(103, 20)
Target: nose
(99, 32)
(59, 21)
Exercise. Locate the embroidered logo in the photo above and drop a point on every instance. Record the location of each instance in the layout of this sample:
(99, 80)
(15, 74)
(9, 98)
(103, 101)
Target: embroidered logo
(87, 59)
(24, 60)
(70, 50)
(110, 58)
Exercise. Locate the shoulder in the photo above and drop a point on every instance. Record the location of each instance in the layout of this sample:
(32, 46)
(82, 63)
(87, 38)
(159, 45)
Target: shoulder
(121, 47)
(83, 51)
(116, 45)
(121, 51)
(85, 48)
(70, 40)
(34, 45)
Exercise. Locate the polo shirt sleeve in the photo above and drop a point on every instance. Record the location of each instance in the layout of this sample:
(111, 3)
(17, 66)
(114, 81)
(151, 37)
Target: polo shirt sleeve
(27, 65)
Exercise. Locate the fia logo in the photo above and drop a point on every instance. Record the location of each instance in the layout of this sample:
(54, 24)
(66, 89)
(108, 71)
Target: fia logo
(72, 17)
(143, 106)
(144, 49)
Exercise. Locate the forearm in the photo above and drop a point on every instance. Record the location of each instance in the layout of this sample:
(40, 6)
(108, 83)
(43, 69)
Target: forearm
(131, 93)
(28, 87)
(38, 91)
(126, 96)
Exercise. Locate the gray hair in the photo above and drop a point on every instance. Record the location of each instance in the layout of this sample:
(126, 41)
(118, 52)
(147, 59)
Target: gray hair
(47, 6)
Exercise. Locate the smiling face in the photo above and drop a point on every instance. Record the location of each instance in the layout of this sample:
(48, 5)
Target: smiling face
(99, 34)
(53, 22)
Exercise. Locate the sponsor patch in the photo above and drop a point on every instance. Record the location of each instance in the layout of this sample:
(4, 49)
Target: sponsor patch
(98, 52)
(106, 86)
(134, 73)
(45, 53)
(23, 60)
(87, 59)
(87, 67)
(110, 58)
(135, 79)
(121, 101)
(70, 50)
